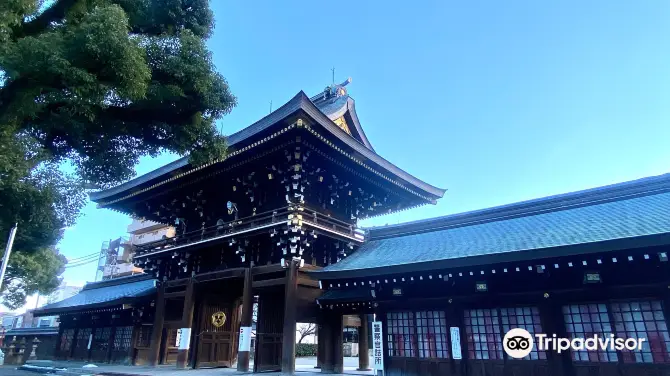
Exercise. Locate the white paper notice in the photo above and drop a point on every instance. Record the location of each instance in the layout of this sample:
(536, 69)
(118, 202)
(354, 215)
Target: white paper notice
(456, 343)
(377, 346)
(183, 338)
(245, 339)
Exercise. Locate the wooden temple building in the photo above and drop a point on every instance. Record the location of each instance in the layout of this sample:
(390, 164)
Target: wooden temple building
(276, 221)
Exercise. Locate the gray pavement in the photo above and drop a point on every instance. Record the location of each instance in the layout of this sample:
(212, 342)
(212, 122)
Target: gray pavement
(304, 367)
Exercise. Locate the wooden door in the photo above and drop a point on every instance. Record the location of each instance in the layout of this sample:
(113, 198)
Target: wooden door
(269, 332)
(100, 344)
(120, 352)
(217, 341)
(80, 351)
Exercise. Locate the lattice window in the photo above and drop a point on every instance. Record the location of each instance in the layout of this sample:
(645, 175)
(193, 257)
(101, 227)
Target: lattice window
(401, 334)
(525, 318)
(172, 338)
(84, 333)
(144, 336)
(642, 319)
(101, 338)
(122, 338)
(587, 320)
(420, 334)
(431, 329)
(66, 340)
(482, 329)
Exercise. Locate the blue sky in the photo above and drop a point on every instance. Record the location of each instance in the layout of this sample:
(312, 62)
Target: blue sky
(496, 101)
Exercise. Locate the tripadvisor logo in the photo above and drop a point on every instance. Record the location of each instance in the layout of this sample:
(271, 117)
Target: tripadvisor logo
(518, 343)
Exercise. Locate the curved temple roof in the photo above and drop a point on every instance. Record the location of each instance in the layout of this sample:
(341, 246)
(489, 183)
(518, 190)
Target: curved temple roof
(627, 215)
(324, 109)
(108, 293)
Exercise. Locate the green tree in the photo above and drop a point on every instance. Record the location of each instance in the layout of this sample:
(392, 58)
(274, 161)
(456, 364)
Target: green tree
(96, 84)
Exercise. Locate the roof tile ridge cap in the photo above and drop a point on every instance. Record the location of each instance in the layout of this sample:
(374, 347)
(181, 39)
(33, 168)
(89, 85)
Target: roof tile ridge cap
(116, 281)
(529, 213)
(612, 189)
(285, 105)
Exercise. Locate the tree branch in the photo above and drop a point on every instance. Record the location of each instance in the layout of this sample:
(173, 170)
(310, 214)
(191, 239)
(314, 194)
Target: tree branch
(40, 23)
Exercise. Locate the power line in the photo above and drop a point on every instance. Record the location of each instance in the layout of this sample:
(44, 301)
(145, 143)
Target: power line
(80, 264)
(84, 257)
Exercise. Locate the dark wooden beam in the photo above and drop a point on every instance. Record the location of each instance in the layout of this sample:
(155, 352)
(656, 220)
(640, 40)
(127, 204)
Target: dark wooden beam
(175, 295)
(290, 302)
(246, 319)
(306, 281)
(220, 274)
(269, 282)
(157, 331)
(264, 269)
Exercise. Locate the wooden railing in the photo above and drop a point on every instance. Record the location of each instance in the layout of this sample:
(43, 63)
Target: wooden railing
(249, 223)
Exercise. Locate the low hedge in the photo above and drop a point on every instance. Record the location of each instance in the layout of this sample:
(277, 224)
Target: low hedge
(305, 349)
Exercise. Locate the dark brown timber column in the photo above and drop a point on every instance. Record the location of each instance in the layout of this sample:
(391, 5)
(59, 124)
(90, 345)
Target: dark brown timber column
(157, 330)
(186, 322)
(338, 337)
(245, 322)
(319, 345)
(363, 355)
(326, 341)
(288, 344)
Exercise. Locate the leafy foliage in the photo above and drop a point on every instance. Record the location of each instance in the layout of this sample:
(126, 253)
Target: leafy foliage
(305, 349)
(102, 83)
(96, 84)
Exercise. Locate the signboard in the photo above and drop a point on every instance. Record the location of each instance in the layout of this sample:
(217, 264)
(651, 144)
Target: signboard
(245, 339)
(377, 346)
(456, 343)
(183, 341)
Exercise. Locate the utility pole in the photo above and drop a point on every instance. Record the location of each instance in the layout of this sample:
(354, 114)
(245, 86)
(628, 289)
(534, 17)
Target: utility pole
(8, 250)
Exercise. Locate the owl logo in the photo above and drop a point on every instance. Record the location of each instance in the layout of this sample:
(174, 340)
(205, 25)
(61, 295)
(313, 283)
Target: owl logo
(218, 319)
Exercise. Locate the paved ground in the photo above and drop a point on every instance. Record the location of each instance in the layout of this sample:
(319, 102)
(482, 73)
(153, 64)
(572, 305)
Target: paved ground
(304, 367)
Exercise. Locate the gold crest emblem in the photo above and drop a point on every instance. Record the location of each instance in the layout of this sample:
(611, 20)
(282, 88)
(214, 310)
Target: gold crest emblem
(218, 319)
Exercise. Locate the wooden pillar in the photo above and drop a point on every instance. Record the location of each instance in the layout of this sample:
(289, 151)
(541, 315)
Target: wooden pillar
(319, 344)
(326, 342)
(551, 317)
(363, 355)
(186, 322)
(246, 319)
(157, 331)
(291, 299)
(338, 337)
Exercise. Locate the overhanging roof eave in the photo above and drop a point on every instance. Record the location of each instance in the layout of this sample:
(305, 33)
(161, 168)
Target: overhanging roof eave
(505, 257)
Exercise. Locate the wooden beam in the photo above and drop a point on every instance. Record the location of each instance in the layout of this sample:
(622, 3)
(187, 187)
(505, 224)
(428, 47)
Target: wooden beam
(264, 269)
(269, 282)
(220, 274)
(306, 281)
(175, 295)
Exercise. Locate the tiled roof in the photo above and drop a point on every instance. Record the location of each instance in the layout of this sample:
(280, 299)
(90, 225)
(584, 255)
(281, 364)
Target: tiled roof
(299, 102)
(539, 228)
(108, 293)
(43, 331)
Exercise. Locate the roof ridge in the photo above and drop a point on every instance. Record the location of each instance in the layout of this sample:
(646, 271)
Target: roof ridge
(564, 201)
(116, 281)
